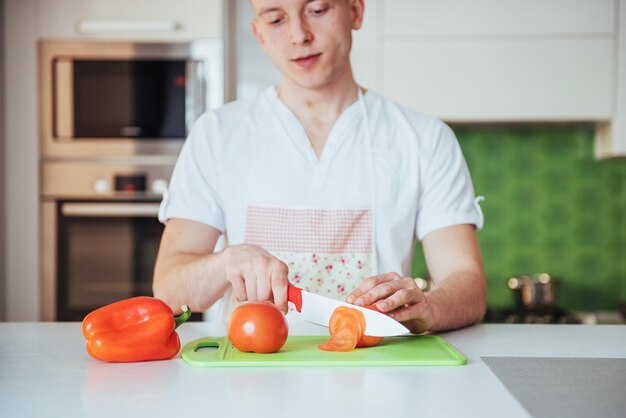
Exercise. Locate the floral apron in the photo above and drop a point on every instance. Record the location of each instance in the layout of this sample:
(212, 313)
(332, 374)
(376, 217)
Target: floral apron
(328, 249)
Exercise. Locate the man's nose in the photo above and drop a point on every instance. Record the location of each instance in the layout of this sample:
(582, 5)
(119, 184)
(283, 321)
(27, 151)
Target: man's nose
(300, 31)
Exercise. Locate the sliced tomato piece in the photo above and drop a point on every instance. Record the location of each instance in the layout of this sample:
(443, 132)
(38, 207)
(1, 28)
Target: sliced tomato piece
(345, 330)
(346, 327)
(369, 340)
(343, 339)
(344, 316)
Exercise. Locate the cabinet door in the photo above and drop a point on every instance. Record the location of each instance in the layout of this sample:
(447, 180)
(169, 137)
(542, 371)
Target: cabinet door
(493, 60)
(491, 17)
(501, 79)
(130, 19)
(611, 136)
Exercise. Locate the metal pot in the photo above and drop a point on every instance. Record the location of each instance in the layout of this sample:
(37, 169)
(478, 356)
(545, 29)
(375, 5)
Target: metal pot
(536, 291)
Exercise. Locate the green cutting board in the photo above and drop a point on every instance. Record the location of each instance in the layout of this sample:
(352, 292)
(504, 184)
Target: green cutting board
(427, 350)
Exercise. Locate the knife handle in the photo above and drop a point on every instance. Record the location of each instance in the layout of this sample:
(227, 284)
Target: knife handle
(294, 295)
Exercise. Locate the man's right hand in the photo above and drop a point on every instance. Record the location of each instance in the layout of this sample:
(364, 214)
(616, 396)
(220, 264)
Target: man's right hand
(256, 275)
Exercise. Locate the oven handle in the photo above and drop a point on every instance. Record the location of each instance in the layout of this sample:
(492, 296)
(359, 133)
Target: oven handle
(121, 210)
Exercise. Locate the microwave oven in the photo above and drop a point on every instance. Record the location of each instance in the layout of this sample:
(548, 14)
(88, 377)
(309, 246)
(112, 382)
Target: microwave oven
(110, 99)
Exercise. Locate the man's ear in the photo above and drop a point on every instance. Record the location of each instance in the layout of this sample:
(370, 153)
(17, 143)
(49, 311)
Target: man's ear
(357, 7)
(256, 32)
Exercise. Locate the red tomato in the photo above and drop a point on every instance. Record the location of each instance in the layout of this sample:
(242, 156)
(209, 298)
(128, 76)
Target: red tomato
(259, 327)
(367, 340)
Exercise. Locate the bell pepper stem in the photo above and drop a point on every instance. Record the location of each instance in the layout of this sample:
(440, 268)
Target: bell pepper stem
(182, 317)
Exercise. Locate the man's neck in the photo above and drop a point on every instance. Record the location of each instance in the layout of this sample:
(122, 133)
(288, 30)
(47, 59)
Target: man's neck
(318, 109)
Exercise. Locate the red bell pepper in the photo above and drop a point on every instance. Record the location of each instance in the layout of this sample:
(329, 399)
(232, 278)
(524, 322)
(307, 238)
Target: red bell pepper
(136, 329)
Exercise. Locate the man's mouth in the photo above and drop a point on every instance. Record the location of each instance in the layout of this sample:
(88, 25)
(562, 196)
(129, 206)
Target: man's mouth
(307, 61)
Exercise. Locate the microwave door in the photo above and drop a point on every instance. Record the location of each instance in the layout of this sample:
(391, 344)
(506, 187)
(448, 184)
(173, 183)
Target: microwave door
(120, 99)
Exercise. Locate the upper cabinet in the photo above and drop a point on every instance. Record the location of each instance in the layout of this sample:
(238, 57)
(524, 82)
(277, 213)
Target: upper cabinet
(130, 19)
(611, 136)
(497, 60)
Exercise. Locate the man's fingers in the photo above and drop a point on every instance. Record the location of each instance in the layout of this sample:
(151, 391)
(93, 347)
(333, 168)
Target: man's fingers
(263, 286)
(250, 283)
(400, 298)
(417, 318)
(387, 285)
(354, 295)
(365, 286)
(412, 312)
(278, 283)
(256, 275)
(239, 287)
(361, 296)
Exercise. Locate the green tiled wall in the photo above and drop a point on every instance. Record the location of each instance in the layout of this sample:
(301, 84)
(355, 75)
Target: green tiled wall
(550, 207)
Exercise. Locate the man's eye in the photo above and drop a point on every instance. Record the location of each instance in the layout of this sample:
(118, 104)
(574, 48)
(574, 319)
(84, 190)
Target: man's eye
(273, 19)
(318, 11)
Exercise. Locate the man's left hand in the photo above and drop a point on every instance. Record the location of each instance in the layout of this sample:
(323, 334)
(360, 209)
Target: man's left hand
(397, 296)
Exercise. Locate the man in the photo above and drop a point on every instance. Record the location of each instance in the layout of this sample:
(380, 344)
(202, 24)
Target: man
(322, 183)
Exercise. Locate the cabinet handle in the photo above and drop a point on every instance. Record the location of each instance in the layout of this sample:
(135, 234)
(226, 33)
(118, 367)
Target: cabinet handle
(111, 210)
(123, 26)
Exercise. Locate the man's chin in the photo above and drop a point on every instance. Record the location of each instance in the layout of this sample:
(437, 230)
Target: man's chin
(310, 82)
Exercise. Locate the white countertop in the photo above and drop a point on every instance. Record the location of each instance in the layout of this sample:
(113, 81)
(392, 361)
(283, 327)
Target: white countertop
(45, 371)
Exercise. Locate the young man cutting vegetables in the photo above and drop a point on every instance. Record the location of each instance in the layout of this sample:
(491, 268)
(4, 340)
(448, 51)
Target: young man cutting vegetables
(324, 184)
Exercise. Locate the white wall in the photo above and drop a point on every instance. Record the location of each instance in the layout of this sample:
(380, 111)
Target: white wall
(21, 168)
(2, 174)
(254, 69)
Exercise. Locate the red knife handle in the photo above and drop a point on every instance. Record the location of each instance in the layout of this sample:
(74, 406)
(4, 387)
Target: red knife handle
(294, 295)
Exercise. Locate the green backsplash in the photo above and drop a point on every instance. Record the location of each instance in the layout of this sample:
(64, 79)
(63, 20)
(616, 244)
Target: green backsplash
(550, 207)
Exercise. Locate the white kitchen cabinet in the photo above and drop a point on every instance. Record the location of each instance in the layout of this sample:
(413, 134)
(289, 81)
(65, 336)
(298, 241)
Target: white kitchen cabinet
(494, 60)
(611, 136)
(502, 80)
(497, 17)
(134, 19)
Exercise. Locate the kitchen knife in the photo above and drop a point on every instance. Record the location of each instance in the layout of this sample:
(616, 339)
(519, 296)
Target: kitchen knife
(318, 309)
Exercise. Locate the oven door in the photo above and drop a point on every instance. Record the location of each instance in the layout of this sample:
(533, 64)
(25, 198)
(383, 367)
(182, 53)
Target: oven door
(106, 253)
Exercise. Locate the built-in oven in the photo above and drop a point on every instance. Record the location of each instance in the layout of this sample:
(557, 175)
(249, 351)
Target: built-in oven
(106, 251)
(100, 233)
(110, 98)
(113, 118)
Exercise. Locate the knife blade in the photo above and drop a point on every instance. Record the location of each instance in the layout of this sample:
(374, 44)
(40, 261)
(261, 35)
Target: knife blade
(318, 309)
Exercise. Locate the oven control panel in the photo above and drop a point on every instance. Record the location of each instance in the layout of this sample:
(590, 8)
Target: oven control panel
(76, 180)
(130, 184)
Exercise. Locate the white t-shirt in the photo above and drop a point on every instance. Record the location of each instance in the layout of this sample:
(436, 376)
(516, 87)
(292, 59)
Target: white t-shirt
(421, 179)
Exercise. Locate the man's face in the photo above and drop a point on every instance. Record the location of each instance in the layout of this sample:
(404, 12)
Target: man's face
(309, 41)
